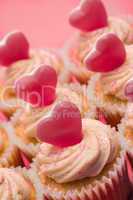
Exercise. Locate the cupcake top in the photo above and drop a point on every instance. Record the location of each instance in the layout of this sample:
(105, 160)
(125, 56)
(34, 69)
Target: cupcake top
(114, 83)
(85, 41)
(86, 159)
(14, 185)
(90, 17)
(37, 57)
(22, 60)
(9, 154)
(30, 116)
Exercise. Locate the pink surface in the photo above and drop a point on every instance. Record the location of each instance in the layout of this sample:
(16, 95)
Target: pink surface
(45, 21)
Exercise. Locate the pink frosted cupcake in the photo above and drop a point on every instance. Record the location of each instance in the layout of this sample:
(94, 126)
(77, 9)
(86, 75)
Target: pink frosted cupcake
(110, 90)
(91, 19)
(80, 162)
(19, 60)
(25, 120)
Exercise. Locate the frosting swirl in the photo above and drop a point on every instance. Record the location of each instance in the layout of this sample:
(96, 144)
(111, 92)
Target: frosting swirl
(25, 67)
(84, 160)
(85, 41)
(14, 186)
(30, 117)
(114, 83)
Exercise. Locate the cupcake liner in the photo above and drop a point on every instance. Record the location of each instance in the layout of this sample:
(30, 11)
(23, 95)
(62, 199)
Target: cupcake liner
(128, 148)
(29, 149)
(32, 175)
(127, 145)
(129, 160)
(11, 155)
(113, 111)
(113, 186)
(80, 72)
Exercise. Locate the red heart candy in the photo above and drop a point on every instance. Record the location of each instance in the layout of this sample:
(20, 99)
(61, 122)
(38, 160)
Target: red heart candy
(129, 169)
(13, 47)
(129, 91)
(109, 54)
(63, 128)
(89, 16)
(38, 88)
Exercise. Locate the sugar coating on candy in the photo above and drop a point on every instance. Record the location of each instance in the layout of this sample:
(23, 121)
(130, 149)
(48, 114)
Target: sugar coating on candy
(39, 89)
(13, 47)
(129, 91)
(25, 160)
(90, 15)
(108, 54)
(63, 128)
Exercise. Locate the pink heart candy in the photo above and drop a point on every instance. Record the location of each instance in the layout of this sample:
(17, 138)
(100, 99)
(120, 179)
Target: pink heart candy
(63, 128)
(129, 91)
(39, 89)
(109, 54)
(89, 16)
(14, 46)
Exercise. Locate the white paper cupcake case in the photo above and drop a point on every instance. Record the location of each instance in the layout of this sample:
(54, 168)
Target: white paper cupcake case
(11, 155)
(29, 149)
(114, 186)
(31, 174)
(110, 108)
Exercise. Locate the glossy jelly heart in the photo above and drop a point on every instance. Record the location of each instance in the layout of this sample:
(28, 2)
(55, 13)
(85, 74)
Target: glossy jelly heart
(109, 54)
(39, 89)
(90, 15)
(63, 127)
(14, 46)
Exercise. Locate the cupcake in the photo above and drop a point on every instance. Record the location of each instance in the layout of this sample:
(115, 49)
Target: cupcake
(15, 185)
(22, 61)
(80, 162)
(109, 89)
(25, 120)
(91, 20)
(9, 153)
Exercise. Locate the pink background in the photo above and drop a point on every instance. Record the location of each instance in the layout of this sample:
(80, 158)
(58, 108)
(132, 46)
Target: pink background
(45, 22)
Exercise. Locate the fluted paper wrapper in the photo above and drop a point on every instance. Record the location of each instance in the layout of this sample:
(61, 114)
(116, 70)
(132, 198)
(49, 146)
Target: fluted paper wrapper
(112, 186)
(114, 111)
(29, 149)
(33, 177)
(11, 155)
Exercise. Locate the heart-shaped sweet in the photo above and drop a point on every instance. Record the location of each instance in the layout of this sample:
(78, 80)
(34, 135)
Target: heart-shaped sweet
(89, 16)
(39, 89)
(129, 90)
(14, 46)
(63, 128)
(108, 54)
